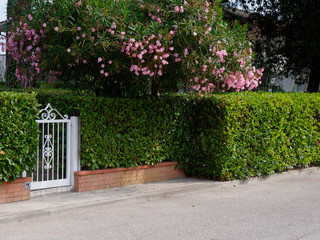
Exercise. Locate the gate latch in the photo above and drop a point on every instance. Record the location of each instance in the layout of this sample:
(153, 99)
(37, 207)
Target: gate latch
(27, 185)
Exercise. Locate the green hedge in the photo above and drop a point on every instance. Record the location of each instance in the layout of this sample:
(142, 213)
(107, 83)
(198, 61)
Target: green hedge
(119, 132)
(224, 137)
(249, 134)
(18, 134)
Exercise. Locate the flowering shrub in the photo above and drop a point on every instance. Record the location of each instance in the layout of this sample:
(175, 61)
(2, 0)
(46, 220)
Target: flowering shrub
(113, 45)
(24, 45)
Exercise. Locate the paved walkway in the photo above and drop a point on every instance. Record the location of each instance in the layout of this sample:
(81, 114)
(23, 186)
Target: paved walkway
(63, 202)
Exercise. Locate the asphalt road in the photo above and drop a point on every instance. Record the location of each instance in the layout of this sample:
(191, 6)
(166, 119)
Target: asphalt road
(284, 209)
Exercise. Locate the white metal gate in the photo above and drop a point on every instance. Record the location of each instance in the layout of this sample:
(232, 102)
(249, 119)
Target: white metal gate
(53, 156)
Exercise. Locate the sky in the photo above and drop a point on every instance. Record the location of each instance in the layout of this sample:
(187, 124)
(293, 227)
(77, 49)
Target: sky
(3, 8)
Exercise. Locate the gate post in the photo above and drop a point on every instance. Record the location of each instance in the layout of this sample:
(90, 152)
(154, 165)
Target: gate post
(75, 147)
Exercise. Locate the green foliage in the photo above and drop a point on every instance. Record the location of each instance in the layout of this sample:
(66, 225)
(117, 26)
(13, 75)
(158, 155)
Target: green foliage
(284, 37)
(18, 134)
(127, 133)
(224, 137)
(120, 132)
(131, 48)
(252, 134)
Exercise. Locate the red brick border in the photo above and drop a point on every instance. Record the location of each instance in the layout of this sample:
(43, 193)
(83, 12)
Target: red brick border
(108, 178)
(14, 191)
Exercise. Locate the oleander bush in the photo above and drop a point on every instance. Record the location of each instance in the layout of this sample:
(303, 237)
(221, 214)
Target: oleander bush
(18, 134)
(131, 48)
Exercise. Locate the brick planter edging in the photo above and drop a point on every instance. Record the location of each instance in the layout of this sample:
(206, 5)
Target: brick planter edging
(108, 178)
(14, 191)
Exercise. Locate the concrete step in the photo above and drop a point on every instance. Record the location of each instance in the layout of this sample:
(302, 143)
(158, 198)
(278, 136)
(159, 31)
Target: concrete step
(35, 193)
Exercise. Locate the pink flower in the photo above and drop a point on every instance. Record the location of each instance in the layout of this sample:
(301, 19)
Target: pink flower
(106, 74)
(99, 59)
(204, 68)
(113, 25)
(181, 9)
(185, 52)
(221, 54)
(79, 28)
(68, 50)
(110, 62)
(102, 65)
(84, 61)
(166, 55)
(79, 3)
(176, 8)
(56, 29)
(44, 25)
(102, 71)
(30, 17)
(83, 35)
(93, 29)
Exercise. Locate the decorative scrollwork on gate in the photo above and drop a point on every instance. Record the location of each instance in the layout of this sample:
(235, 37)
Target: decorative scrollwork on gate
(47, 151)
(48, 113)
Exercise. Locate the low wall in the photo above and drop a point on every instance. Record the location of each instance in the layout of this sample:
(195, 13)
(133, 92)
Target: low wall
(14, 191)
(108, 178)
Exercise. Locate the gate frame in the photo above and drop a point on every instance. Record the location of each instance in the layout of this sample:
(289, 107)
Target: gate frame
(48, 115)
